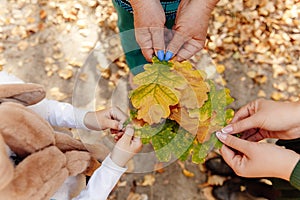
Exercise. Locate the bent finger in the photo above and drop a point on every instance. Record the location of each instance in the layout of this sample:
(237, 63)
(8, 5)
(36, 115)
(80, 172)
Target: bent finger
(158, 41)
(176, 43)
(189, 49)
(144, 39)
(244, 112)
(148, 54)
(118, 114)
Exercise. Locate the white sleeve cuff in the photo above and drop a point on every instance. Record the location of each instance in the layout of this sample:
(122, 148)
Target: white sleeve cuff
(79, 118)
(110, 164)
(102, 181)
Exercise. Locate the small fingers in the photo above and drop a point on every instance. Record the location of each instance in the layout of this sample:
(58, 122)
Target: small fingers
(137, 144)
(127, 136)
(117, 114)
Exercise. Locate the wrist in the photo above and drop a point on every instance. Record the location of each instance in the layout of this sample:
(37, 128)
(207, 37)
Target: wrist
(90, 121)
(117, 161)
(290, 164)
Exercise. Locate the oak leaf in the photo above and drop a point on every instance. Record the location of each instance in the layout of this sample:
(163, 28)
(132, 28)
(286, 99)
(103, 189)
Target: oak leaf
(156, 92)
(195, 94)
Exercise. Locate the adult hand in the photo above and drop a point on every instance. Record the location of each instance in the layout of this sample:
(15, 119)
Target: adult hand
(149, 21)
(190, 28)
(112, 118)
(266, 119)
(257, 159)
(126, 147)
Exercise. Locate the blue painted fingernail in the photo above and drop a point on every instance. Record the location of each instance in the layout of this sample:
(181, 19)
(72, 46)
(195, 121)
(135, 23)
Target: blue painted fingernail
(160, 55)
(168, 56)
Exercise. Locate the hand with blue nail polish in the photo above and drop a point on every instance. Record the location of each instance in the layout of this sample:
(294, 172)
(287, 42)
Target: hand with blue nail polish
(149, 27)
(190, 28)
(168, 56)
(161, 55)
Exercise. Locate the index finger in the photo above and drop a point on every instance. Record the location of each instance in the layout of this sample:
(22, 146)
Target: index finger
(158, 41)
(144, 39)
(244, 112)
(176, 43)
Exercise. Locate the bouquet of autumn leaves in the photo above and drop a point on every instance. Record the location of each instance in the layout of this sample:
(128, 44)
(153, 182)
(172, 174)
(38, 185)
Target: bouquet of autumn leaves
(178, 110)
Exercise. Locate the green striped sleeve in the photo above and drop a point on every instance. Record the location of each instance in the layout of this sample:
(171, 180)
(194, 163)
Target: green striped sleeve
(295, 176)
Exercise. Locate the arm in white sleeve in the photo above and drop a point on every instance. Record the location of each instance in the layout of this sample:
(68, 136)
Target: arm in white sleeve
(6, 78)
(102, 181)
(60, 114)
(56, 113)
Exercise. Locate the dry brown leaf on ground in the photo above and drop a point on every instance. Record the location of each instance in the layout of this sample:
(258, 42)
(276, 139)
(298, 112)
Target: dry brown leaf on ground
(57, 94)
(149, 180)
(136, 196)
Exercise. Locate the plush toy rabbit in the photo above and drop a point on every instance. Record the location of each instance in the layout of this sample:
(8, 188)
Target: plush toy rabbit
(48, 158)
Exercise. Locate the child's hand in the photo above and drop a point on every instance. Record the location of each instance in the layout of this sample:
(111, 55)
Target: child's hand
(112, 118)
(126, 147)
(257, 159)
(266, 119)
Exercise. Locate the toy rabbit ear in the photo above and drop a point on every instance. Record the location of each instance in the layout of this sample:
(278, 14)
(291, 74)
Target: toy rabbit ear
(25, 94)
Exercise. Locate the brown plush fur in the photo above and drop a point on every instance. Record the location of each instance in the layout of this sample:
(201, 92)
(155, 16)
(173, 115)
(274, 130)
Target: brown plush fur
(49, 158)
(26, 94)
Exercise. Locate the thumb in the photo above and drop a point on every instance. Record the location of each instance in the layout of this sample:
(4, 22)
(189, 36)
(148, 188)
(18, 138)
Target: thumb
(234, 142)
(127, 137)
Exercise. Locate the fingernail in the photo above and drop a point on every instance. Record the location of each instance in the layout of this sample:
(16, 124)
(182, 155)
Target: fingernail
(160, 55)
(227, 129)
(168, 56)
(222, 136)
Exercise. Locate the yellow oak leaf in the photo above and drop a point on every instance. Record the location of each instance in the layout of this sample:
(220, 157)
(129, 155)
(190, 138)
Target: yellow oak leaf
(160, 74)
(157, 91)
(194, 125)
(181, 116)
(153, 101)
(195, 94)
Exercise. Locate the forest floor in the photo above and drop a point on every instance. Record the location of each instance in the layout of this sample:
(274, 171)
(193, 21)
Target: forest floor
(73, 49)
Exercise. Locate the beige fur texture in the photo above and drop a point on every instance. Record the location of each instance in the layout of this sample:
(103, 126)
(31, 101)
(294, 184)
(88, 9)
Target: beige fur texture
(49, 158)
